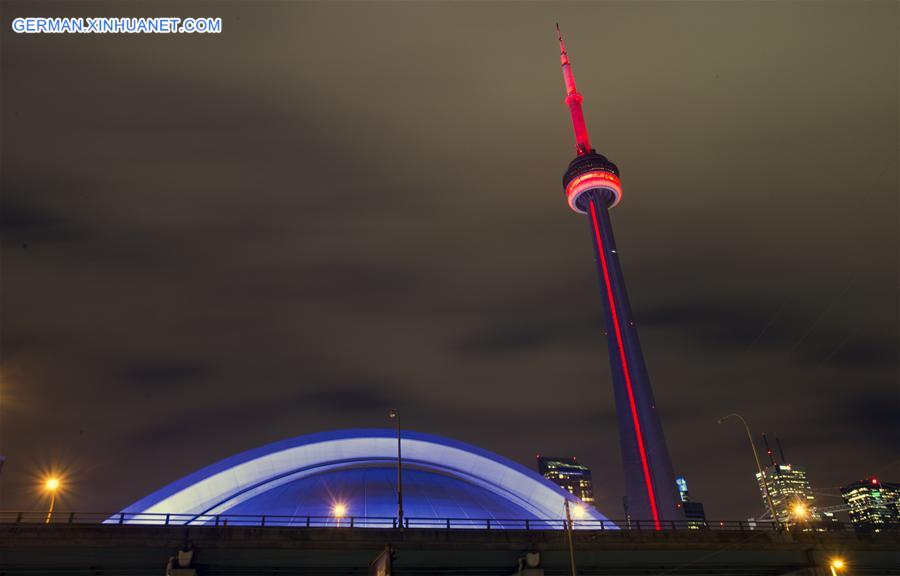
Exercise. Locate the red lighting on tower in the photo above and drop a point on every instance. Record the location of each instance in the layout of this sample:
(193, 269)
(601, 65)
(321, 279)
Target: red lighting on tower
(573, 100)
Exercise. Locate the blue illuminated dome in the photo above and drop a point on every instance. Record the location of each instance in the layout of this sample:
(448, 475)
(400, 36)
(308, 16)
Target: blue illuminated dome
(309, 475)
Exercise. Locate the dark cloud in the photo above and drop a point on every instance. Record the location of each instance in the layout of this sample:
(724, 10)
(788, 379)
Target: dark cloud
(875, 415)
(360, 397)
(715, 324)
(860, 352)
(522, 333)
(21, 217)
(308, 219)
(165, 373)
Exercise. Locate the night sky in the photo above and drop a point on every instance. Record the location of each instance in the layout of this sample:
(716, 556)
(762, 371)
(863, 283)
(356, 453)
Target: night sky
(211, 242)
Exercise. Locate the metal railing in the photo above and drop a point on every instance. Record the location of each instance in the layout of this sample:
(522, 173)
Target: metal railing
(266, 520)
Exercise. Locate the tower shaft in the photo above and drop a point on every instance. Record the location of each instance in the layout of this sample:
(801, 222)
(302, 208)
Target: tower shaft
(650, 486)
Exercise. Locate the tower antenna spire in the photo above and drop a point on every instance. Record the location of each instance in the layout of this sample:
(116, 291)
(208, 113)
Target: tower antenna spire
(573, 100)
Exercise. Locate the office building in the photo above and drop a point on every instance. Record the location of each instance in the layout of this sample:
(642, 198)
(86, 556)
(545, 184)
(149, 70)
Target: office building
(693, 511)
(568, 474)
(791, 493)
(874, 504)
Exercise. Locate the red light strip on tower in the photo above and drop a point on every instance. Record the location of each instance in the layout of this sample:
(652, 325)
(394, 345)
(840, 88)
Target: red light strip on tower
(634, 415)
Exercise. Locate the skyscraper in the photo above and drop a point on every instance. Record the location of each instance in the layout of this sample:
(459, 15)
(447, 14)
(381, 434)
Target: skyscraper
(569, 475)
(790, 491)
(874, 504)
(592, 187)
(693, 511)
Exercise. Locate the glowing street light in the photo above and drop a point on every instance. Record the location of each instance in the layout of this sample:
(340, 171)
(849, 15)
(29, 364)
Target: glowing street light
(578, 511)
(51, 485)
(836, 565)
(339, 510)
(800, 512)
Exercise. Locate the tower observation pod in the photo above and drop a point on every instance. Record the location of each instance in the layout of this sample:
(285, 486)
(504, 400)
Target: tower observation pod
(592, 187)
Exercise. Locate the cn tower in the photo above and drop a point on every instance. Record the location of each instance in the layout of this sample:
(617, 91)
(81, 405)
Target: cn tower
(592, 187)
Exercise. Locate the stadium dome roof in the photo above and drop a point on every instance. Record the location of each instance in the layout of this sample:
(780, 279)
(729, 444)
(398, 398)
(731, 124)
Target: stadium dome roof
(309, 475)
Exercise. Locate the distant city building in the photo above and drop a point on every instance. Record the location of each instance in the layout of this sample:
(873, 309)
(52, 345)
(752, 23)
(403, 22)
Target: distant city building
(829, 520)
(681, 482)
(569, 475)
(873, 504)
(693, 511)
(791, 493)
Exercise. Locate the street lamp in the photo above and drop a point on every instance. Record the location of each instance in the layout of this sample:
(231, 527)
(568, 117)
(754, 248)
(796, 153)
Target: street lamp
(339, 510)
(51, 485)
(756, 458)
(569, 534)
(799, 511)
(836, 565)
(395, 415)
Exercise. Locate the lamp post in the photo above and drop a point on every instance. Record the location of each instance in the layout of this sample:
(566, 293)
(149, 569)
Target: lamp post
(836, 565)
(569, 534)
(395, 415)
(51, 485)
(756, 458)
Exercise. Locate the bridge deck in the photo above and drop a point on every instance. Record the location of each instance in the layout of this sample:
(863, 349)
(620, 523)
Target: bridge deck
(136, 550)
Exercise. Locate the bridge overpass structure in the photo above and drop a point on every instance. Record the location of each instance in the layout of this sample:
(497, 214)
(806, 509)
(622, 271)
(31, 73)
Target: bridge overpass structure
(728, 549)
